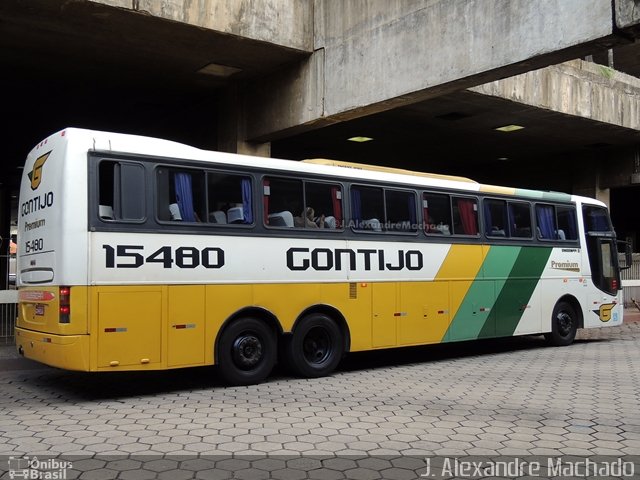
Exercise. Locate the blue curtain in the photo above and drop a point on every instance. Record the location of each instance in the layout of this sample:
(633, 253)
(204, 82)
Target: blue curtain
(356, 207)
(511, 232)
(546, 221)
(184, 196)
(246, 201)
(488, 222)
(412, 210)
(573, 233)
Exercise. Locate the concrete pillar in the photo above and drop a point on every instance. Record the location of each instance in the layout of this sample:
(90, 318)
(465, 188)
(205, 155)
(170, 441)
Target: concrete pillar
(232, 126)
(5, 235)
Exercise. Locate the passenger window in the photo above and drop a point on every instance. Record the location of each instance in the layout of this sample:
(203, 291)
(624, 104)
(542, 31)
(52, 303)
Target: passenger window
(293, 203)
(121, 191)
(567, 223)
(323, 204)
(436, 209)
(449, 215)
(520, 219)
(282, 198)
(229, 199)
(401, 211)
(181, 195)
(496, 220)
(367, 208)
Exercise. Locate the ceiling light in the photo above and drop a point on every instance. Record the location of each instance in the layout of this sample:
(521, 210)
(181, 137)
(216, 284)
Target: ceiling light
(509, 128)
(360, 139)
(503, 159)
(218, 70)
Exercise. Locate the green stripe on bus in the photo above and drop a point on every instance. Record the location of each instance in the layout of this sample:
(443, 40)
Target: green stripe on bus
(545, 196)
(512, 301)
(477, 306)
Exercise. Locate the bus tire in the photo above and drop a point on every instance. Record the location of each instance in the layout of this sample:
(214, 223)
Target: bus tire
(564, 325)
(246, 352)
(315, 348)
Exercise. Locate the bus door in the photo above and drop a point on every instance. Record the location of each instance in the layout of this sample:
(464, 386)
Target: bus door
(603, 259)
(602, 250)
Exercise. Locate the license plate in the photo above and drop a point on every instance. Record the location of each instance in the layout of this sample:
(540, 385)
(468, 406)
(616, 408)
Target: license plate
(39, 309)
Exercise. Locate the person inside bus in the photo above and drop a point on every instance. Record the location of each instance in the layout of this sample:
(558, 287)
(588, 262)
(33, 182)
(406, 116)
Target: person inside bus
(309, 220)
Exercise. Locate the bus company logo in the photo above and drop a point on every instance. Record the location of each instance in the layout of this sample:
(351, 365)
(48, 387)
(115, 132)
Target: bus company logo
(32, 468)
(566, 266)
(604, 312)
(35, 175)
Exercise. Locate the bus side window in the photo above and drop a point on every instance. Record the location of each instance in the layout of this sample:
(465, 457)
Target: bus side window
(282, 200)
(121, 191)
(323, 203)
(367, 208)
(496, 222)
(229, 199)
(401, 211)
(436, 210)
(567, 222)
(520, 219)
(180, 195)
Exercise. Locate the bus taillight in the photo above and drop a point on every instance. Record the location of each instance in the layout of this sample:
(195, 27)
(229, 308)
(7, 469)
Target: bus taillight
(65, 304)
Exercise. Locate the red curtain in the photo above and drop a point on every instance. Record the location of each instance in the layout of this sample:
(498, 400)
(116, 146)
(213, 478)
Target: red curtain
(337, 206)
(468, 216)
(265, 201)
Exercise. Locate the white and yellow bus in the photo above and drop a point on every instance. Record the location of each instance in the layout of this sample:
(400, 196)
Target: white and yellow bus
(136, 253)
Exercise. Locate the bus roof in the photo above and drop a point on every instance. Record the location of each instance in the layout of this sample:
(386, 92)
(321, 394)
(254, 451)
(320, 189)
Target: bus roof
(149, 146)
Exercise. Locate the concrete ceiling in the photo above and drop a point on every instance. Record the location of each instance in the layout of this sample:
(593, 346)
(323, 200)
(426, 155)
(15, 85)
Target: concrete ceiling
(65, 65)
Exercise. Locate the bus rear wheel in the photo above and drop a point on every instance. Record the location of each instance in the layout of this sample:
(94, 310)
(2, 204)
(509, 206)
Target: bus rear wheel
(246, 352)
(564, 325)
(315, 348)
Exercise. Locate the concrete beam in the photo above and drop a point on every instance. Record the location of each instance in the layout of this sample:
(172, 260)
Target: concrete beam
(375, 55)
(579, 88)
(278, 22)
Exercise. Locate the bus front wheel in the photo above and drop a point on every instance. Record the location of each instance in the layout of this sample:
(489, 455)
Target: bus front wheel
(564, 325)
(315, 348)
(246, 352)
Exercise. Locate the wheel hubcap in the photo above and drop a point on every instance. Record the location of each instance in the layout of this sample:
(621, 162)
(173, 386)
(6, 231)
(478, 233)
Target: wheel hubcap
(565, 323)
(317, 346)
(247, 351)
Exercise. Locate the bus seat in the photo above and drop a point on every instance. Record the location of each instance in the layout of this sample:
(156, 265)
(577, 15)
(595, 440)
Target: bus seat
(561, 235)
(443, 229)
(372, 224)
(105, 212)
(330, 222)
(218, 217)
(281, 219)
(235, 215)
(174, 209)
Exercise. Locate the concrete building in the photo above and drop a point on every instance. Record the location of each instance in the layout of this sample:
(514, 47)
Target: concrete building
(428, 80)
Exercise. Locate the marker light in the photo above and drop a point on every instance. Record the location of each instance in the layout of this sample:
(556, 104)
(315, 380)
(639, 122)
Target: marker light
(65, 304)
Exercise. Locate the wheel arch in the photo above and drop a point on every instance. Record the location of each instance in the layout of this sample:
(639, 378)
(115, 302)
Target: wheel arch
(334, 314)
(255, 312)
(575, 304)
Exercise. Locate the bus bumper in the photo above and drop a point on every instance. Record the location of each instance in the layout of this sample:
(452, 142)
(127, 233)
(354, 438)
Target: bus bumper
(70, 352)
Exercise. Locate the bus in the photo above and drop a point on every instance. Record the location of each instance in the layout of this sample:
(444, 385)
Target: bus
(137, 253)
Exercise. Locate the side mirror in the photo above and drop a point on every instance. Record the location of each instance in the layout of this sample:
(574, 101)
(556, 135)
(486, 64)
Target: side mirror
(628, 257)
